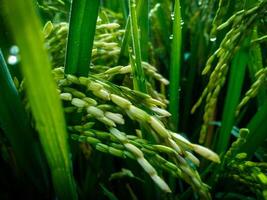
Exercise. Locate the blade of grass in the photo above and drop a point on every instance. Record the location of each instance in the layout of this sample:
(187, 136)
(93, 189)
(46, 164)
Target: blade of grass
(108, 193)
(255, 64)
(138, 72)
(21, 136)
(112, 5)
(139, 78)
(258, 131)
(42, 94)
(198, 55)
(163, 23)
(237, 75)
(144, 29)
(83, 19)
(124, 54)
(124, 9)
(175, 67)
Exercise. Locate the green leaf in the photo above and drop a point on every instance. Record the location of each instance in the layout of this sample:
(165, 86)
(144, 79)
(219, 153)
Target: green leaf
(42, 94)
(257, 128)
(124, 54)
(144, 29)
(254, 65)
(237, 75)
(175, 66)
(124, 9)
(83, 19)
(138, 72)
(26, 148)
(107, 193)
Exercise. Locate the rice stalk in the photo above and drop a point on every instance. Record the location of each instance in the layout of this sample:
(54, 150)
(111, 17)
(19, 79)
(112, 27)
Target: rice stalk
(144, 29)
(175, 66)
(138, 72)
(124, 54)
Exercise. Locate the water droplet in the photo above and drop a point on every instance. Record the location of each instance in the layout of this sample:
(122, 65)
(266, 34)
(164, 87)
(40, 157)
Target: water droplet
(213, 39)
(14, 50)
(12, 60)
(187, 56)
(171, 37)
(182, 22)
(199, 2)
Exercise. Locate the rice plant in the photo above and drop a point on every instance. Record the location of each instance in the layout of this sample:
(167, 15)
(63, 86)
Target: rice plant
(139, 99)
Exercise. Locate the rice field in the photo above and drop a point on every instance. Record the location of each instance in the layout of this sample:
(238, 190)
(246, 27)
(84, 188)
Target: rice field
(133, 99)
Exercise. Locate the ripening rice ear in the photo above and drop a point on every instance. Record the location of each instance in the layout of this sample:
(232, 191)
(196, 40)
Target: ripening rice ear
(206, 153)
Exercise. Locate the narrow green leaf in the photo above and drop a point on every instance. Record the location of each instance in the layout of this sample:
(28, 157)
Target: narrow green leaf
(237, 75)
(255, 64)
(124, 54)
(144, 29)
(108, 193)
(27, 150)
(42, 94)
(83, 19)
(111, 4)
(163, 24)
(175, 67)
(257, 128)
(124, 9)
(138, 72)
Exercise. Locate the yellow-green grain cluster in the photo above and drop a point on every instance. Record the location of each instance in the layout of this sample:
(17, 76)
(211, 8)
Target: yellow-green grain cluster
(253, 91)
(240, 24)
(106, 47)
(118, 103)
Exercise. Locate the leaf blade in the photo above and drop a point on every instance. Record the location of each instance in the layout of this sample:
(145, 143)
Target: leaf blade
(81, 36)
(42, 94)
